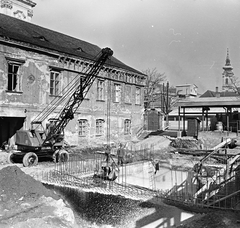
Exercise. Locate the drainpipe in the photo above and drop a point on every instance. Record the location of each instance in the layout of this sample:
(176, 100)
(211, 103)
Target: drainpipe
(184, 129)
(202, 119)
(179, 116)
(226, 111)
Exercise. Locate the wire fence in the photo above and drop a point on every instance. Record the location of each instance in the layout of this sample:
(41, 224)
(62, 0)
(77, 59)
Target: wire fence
(210, 186)
(78, 173)
(205, 185)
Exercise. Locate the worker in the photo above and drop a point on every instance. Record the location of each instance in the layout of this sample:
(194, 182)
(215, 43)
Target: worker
(120, 154)
(112, 175)
(157, 166)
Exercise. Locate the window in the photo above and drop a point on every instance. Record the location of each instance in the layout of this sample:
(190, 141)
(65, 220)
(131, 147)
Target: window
(83, 127)
(100, 90)
(138, 96)
(128, 94)
(55, 83)
(117, 93)
(226, 81)
(121, 76)
(14, 78)
(99, 126)
(127, 127)
(131, 79)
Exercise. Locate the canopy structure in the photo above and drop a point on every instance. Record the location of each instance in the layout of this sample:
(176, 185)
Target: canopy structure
(204, 104)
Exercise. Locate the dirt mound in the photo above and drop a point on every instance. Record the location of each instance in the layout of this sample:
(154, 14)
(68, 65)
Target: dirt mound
(15, 184)
(186, 142)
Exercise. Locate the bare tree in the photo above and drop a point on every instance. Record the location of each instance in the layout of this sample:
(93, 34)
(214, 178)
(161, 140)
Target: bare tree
(153, 86)
(158, 92)
(235, 82)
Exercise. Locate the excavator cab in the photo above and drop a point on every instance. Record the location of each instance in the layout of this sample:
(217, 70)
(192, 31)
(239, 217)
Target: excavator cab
(58, 138)
(49, 142)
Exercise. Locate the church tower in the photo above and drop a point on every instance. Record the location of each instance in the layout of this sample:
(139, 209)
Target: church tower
(21, 9)
(227, 76)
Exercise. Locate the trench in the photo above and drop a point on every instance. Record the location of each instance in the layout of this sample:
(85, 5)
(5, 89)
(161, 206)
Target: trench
(94, 209)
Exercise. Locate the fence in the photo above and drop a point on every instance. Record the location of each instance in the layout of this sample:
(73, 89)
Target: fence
(210, 186)
(77, 173)
(215, 183)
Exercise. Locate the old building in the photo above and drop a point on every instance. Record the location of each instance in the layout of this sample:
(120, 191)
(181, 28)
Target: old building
(21, 9)
(36, 64)
(186, 90)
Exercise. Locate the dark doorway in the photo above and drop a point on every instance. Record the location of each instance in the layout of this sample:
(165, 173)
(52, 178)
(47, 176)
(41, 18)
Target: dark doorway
(152, 120)
(8, 127)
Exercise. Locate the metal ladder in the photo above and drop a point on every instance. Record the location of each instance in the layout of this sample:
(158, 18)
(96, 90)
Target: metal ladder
(151, 171)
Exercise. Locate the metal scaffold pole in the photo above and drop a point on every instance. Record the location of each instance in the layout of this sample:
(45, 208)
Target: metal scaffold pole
(108, 110)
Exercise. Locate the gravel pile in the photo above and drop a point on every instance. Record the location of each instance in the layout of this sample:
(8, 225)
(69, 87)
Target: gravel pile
(15, 185)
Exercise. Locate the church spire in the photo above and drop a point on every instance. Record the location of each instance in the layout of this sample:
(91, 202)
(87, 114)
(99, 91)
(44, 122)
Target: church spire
(227, 75)
(228, 59)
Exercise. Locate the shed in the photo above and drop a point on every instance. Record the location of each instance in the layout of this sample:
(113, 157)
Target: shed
(229, 104)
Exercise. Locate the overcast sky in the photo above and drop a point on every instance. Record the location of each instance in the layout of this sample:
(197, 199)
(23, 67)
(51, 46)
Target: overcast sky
(185, 39)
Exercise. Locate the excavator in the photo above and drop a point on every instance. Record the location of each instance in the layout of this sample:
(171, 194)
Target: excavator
(44, 143)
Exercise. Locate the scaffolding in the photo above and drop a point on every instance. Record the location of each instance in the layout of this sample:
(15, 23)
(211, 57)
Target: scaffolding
(204, 186)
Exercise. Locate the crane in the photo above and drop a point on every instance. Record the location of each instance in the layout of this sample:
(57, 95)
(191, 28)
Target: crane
(48, 142)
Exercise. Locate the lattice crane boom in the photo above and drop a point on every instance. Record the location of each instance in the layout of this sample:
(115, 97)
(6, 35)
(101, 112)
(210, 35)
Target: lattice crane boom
(77, 97)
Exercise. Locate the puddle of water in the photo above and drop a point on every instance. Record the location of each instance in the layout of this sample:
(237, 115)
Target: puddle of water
(140, 175)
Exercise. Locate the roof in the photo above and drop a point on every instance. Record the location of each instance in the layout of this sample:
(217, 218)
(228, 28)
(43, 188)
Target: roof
(28, 2)
(210, 93)
(210, 102)
(198, 111)
(184, 85)
(37, 36)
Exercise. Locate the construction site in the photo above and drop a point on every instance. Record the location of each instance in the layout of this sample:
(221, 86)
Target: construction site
(188, 184)
(79, 148)
(155, 179)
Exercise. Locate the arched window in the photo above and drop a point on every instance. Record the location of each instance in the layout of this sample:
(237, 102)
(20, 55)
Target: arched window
(55, 83)
(127, 127)
(226, 81)
(100, 90)
(138, 96)
(99, 127)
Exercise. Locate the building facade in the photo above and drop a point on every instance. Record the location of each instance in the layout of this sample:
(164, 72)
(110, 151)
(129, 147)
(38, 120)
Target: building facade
(21, 9)
(36, 64)
(186, 90)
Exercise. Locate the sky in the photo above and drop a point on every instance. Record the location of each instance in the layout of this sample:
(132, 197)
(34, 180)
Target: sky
(185, 39)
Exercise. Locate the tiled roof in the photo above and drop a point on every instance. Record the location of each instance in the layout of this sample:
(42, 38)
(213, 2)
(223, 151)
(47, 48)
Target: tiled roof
(38, 36)
(210, 93)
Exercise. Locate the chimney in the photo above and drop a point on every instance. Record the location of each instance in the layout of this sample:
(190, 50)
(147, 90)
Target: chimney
(217, 93)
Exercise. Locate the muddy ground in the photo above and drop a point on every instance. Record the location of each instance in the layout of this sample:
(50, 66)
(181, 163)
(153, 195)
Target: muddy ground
(21, 198)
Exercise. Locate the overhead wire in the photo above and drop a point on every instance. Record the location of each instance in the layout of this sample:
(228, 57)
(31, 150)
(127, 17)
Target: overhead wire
(64, 95)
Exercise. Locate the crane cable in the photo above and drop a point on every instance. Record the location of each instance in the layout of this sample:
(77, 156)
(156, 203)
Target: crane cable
(56, 101)
(69, 90)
